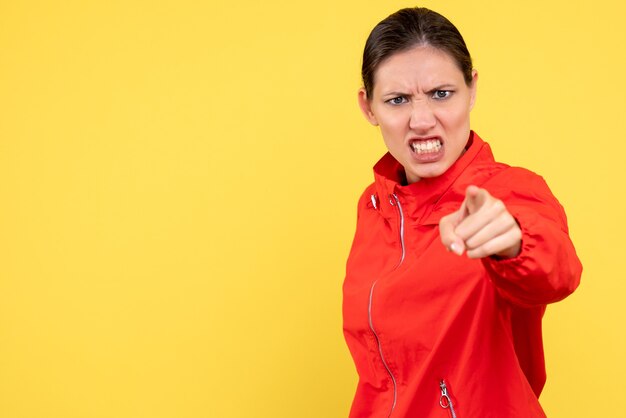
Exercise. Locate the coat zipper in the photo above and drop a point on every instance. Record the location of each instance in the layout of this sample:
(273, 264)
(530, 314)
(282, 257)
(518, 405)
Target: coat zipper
(399, 206)
(394, 201)
(380, 350)
(445, 401)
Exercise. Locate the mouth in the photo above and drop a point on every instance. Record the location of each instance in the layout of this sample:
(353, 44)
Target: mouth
(429, 146)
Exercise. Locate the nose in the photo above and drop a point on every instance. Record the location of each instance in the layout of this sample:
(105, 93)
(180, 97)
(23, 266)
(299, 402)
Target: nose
(422, 116)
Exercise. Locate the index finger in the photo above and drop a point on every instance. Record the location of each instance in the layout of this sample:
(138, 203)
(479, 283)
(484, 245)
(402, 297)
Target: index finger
(475, 198)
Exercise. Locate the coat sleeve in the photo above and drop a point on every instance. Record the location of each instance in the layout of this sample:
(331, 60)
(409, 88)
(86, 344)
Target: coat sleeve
(547, 268)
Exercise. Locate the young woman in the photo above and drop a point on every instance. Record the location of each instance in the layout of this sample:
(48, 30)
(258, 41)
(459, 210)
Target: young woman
(455, 255)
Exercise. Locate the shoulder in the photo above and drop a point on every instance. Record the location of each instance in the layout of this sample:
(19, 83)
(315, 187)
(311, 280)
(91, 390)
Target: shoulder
(485, 171)
(515, 186)
(525, 191)
(518, 181)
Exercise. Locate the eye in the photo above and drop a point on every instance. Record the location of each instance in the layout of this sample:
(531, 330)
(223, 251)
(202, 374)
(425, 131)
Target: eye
(397, 100)
(441, 94)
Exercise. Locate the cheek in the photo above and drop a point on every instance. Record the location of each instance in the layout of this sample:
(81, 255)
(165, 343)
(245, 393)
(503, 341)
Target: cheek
(455, 118)
(393, 126)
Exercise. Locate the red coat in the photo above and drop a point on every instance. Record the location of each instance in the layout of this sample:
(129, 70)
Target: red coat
(426, 327)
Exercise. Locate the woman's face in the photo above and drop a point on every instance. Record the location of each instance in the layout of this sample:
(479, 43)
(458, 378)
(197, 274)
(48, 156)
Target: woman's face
(422, 104)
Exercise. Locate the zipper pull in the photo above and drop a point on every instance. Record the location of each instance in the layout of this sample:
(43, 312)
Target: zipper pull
(445, 401)
(374, 200)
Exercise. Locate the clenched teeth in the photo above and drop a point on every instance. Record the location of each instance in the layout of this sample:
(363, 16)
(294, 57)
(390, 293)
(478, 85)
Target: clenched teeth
(423, 147)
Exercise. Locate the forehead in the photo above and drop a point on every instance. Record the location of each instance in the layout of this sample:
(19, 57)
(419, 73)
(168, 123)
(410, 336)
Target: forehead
(422, 66)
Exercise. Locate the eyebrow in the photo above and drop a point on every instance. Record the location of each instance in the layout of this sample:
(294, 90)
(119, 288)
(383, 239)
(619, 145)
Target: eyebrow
(395, 93)
(446, 86)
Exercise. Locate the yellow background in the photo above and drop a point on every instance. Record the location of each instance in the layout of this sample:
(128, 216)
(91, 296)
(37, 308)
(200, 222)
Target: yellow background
(178, 183)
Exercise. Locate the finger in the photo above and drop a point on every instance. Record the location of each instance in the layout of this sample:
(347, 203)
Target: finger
(506, 244)
(490, 210)
(475, 201)
(449, 239)
(494, 228)
(476, 198)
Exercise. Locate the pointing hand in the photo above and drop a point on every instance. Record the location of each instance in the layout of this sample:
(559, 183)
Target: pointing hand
(482, 226)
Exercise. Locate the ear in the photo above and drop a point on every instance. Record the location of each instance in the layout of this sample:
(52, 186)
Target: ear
(366, 107)
(473, 88)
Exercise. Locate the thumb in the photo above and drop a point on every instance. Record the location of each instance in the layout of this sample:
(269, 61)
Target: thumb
(447, 225)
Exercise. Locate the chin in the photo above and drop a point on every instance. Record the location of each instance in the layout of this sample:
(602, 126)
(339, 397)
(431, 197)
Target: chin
(428, 172)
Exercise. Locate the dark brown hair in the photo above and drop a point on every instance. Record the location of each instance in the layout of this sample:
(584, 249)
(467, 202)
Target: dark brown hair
(408, 28)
